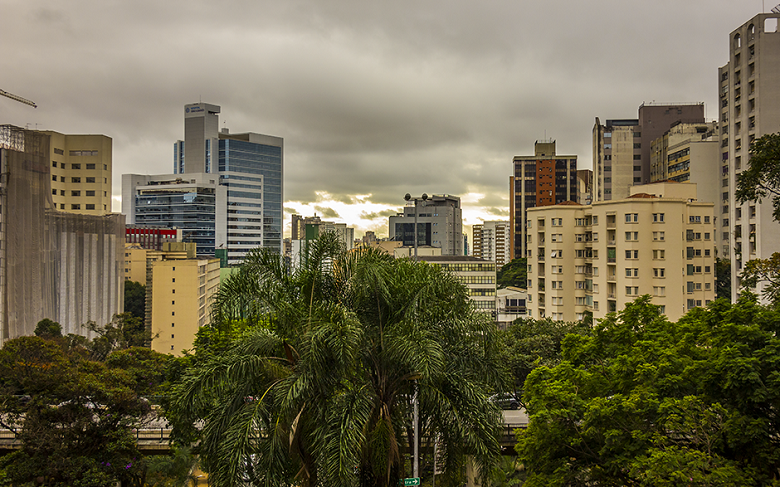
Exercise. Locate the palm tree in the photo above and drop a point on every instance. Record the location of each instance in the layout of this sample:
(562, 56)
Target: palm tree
(318, 390)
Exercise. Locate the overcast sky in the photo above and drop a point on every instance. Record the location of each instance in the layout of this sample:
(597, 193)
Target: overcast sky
(373, 99)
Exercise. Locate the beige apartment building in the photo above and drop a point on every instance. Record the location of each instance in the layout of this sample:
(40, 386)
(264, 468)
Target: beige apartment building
(180, 287)
(597, 258)
(80, 172)
(490, 241)
(749, 108)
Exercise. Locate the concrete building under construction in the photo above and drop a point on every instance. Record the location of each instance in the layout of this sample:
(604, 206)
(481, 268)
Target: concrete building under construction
(58, 265)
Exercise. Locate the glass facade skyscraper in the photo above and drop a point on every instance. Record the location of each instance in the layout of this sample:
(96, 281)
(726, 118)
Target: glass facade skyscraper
(226, 191)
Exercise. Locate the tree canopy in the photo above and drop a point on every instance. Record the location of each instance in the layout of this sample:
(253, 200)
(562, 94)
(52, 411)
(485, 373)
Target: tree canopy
(761, 178)
(317, 389)
(72, 414)
(647, 402)
(513, 273)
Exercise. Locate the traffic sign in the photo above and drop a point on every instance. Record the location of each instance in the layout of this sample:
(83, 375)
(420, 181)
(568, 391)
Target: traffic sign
(411, 481)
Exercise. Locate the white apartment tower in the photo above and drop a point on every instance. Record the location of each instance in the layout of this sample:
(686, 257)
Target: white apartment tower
(491, 241)
(749, 108)
(659, 241)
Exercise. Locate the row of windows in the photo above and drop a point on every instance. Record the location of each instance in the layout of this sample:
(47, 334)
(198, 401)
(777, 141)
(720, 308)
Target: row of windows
(77, 179)
(75, 193)
(78, 166)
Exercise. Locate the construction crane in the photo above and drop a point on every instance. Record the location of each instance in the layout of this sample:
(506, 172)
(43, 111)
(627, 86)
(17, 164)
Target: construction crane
(18, 98)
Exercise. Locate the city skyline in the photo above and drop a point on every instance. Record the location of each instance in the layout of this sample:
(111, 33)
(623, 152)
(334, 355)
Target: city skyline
(373, 101)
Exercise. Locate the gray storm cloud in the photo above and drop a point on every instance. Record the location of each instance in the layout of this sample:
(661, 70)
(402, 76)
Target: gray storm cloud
(379, 98)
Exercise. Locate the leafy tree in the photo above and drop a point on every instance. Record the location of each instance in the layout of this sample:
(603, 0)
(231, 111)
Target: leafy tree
(513, 273)
(74, 422)
(765, 271)
(761, 179)
(47, 328)
(124, 331)
(647, 402)
(135, 299)
(530, 343)
(723, 279)
(318, 390)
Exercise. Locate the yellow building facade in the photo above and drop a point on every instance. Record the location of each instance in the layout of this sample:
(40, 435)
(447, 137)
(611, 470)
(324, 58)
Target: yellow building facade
(180, 288)
(81, 168)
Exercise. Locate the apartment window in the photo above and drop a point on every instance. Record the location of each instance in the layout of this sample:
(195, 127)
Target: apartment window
(632, 236)
(706, 236)
(90, 166)
(105, 167)
(75, 207)
(632, 217)
(659, 291)
(62, 206)
(694, 219)
(557, 269)
(579, 222)
(557, 222)
(556, 237)
(54, 164)
(90, 193)
(658, 236)
(90, 180)
(75, 193)
(172, 325)
(659, 272)
(173, 313)
(632, 272)
(707, 269)
(557, 284)
(595, 220)
(632, 254)
(54, 178)
(659, 254)
(62, 192)
(62, 179)
(90, 206)
(173, 279)
(632, 290)
(75, 180)
(75, 166)
(54, 192)
(658, 217)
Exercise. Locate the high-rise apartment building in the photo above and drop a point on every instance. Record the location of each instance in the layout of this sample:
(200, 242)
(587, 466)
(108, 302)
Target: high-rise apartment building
(621, 148)
(54, 264)
(749, 108)
(226, 190)
(689, 152)
(542, 179)
(439, 224)
(491, 241)
(659, 241)
(81, 171)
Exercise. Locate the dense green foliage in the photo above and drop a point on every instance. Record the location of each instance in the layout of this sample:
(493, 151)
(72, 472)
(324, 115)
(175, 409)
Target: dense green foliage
(513, 273)
(135, 299)
(307, 377)
(723, 279)
(529, 344)
(761, 179)
(74, 414)
(647, 402)
(47, 328)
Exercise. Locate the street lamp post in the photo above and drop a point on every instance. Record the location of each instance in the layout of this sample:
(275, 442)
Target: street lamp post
(408, 197)
(416, 462)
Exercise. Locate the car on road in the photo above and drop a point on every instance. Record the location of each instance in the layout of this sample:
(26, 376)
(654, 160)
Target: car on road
(506, 400)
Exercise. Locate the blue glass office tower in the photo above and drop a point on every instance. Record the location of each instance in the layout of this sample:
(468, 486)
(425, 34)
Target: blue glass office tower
(226, 190)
